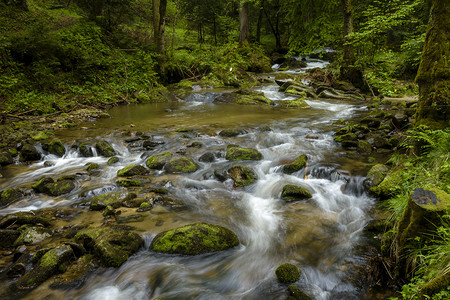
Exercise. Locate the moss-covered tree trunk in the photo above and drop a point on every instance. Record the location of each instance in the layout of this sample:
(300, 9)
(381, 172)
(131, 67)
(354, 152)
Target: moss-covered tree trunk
(159, 16)
(433, 75)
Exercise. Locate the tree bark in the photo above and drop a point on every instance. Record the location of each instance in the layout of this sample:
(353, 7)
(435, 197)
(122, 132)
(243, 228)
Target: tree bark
(259, 24)
(347, 11)
(159, 16)
(433, 75)
(243, 24)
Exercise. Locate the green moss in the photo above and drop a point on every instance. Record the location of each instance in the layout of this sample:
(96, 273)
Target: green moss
(241, 175)
(435, 285)
(297, 293)
(41, 135)
(8, 196)
(104, 148)
(292, 192)
(298, 103)
(132, 170)
(194, 239)
(129, 182)
(113, 160)
(145, 205)
(92, 166)
(252, 100)
(158, 161)
(391, 184)
(287, 273)
(238, 153)
(100, 202)
(296, 165)
(376, 174)
(56, 147)
(180, 165)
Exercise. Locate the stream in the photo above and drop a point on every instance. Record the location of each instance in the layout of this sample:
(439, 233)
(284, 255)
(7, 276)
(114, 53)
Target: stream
(323, 236)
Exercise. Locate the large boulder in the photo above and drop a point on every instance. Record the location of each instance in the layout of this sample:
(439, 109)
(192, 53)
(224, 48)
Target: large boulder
(132, 170)
(104, 148)
(56, 147)
(244, 97)
(375, 175)
(100, 202)
(180, 165)
(23, 218)
(48, 186)
(158, 161)
(85, 150)
(241, 176)
(194, 239)
(391, 185)
(230, 132)
(293, 193)
(32, 235)
(287, 273)
(48, 265)
(297, 103)
(298, 164)
(29, 153)
(112, 247)
(235, 153)
(76, 274)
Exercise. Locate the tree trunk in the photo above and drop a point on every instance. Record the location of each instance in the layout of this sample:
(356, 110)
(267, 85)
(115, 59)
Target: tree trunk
(433, 76)
(243, 24)
(349, 57)
(159, 16)
(258, 24)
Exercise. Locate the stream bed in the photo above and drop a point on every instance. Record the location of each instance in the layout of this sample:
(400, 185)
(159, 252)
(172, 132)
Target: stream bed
(323, 235)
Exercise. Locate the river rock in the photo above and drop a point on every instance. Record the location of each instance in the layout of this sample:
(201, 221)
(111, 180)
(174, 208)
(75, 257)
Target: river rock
(158, 161)
(243, 98)
(194, 239)
(29, 153)
(91, 166)
(8, 237)
(104, 148)
(22, 218)
(85, 150)
(298, 164)
(99, 202)
(230, 132)
(112, 247)
(364, 147)
(297, 103)
(47, 186)
(287, 273)
(113, 160)
(241, 176)
(296, 293)
(129, 182)
(9, 196)
(132, 170)
(32, 235)
(391, 184)
(49, 264)
(236, 153)
(207, 157)
(375, 175)
(76, 274)
(6, 159)
(180, 165)
(56, 147)
(293, 192)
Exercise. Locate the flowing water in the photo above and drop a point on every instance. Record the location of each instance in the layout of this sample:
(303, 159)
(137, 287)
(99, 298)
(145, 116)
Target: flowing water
(321, 235)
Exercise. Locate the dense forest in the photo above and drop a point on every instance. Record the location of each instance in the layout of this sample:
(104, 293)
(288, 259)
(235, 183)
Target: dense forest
(57, 56)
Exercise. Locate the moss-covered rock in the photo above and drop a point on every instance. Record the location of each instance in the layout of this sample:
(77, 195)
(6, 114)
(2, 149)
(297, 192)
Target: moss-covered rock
(230, 132)
(41, 135)
(47, 186)
(297, 103)
(112, 247)
(194, 239)
(298, 164)
(8, 196)
(23, 218)
(113, 160)
(92, 166)
(52, 261)
(6, 159)
(32, 235)
(76, 273)
(104, 148)
(180, 165)
(207, 157)
(439, 283)
(129, 182)
(132, 170)
(296, 293)
(364, 147)
(236, 153)
(244, 98)
(391, 184)
(7, 238)
(287, 273)
(56, 147)
(241, 176)
(85, 150)
(158, 161)
(100, 202)
(40, 186)
(293, 192)
(376, 175)
(29, 153)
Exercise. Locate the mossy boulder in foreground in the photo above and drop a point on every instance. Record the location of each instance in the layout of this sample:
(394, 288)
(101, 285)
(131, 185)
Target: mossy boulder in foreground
(194, 239)
(292, 193)
(56, 147)
(112, 247)
(158, 161)
(235, 153)
(29, 153)
(296, 165)
(287, 273)
(241, 176)
(8, 196)
(132, 170)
